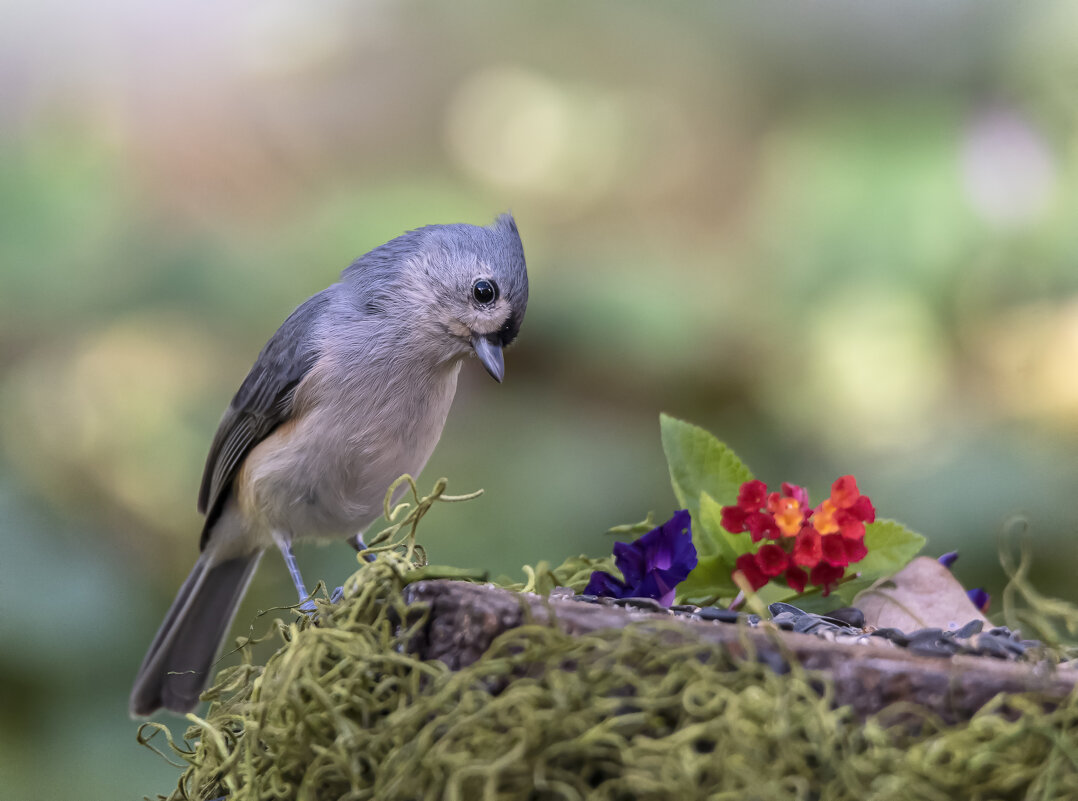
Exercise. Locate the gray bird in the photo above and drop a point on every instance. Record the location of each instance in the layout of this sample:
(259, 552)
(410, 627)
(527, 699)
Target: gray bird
(350, 392)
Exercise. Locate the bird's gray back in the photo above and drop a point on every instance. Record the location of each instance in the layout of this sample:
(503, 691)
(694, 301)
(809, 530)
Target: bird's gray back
(263, 401)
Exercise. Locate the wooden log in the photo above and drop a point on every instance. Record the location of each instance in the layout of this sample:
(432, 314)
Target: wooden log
(867, 675)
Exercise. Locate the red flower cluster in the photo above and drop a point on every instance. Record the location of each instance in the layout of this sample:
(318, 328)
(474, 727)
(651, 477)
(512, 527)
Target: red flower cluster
(811, 546)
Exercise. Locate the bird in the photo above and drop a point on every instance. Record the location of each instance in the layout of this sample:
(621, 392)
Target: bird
(351, 392)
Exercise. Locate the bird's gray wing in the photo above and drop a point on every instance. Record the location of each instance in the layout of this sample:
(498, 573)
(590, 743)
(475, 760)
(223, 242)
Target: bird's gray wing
(263, 401)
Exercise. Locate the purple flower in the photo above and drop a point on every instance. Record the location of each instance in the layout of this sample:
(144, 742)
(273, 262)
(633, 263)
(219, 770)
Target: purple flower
(652, 565)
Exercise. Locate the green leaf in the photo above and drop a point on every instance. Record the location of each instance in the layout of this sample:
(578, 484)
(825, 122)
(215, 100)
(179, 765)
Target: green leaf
(711, 533)
(709, 579)
(634, 529)
(699, 463)
(891, 546)
(846, 592)
(718, 550)
(776, 590)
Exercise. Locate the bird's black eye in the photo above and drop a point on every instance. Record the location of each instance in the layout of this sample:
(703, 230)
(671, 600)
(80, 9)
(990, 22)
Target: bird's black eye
(484, 291)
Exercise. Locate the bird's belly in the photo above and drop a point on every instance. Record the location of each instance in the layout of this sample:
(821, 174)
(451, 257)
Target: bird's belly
(326, 475)
(311, 483)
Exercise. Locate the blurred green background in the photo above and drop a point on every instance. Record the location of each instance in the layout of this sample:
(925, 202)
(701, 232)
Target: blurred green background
(839, 235)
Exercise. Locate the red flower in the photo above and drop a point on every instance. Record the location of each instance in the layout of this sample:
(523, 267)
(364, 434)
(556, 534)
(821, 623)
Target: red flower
(772, 560)
(845, 512)
(833, 548)
(850, 527)
(855, 550)
(746, 515)
(826, 575)
(807, 548)
(761, 525)
(746, 563)
(751, 495)
(844, 492)
(806, 545)
(796, 578)
(733, 519)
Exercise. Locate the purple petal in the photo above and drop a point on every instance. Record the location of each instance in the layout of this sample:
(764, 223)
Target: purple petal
(631, 559)
(602, 583)
(661, 548)
(980, 599)
(675, 542)
(654, 564)
(685, 557)
(948, 559)
(658, 586)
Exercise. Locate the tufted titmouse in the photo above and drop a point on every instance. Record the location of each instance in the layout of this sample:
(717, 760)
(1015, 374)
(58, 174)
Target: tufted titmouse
(351, 392)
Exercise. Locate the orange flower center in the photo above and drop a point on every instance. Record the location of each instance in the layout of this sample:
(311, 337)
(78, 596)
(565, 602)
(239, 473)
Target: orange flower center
(788, 515)
(824, 517)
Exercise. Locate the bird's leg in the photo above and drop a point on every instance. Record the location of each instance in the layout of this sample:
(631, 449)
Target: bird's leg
(356, 541)
(285, 547)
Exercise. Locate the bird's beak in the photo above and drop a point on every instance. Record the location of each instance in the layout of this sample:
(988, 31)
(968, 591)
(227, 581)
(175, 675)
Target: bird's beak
(490, 354)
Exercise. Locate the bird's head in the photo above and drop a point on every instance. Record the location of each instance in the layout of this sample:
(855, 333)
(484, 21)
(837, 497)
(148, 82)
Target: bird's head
(451, 289)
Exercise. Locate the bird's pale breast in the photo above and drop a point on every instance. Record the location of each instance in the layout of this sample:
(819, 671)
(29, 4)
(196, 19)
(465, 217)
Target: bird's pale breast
(324, 473)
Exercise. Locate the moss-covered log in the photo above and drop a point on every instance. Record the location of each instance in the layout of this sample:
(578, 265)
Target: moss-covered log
(867, 676)
(446, 691)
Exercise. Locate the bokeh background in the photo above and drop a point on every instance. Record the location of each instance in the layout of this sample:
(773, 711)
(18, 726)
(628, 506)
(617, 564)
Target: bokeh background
(842, 236)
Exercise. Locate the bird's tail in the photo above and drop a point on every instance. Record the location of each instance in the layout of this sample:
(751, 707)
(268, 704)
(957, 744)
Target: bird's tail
(177, 666)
